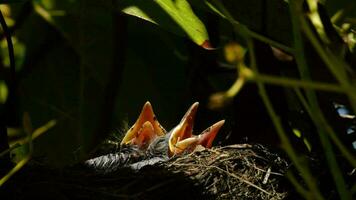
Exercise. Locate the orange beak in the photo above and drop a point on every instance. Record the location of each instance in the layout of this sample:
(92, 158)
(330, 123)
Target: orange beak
(207, 137)
(145, 130)
(182, 139)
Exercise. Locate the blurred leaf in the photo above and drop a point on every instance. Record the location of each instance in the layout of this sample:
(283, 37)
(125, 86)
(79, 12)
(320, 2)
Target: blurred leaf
(43, 12)
(19, 53)
(14, 132)
(341, 10)
(297, 132)
(3, 92)
(162, 12)
(6, 12)
(19, 153)
(307, 144)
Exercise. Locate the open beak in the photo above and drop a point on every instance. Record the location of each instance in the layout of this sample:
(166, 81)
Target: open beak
(145, 130)
(207, 137)
(182, 138)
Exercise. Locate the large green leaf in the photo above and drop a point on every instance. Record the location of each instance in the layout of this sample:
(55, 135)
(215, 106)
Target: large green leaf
(174, 15)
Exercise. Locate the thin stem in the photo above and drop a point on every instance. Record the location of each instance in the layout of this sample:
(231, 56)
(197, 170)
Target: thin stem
(18, 166)
(290, 82)
(286, 144)
(239, 83)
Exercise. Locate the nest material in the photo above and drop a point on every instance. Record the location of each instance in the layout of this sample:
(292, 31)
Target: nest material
(231, 172)
(239, 171)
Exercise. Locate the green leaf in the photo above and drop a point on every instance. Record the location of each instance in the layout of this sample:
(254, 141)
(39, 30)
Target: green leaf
(3, 92)
(174, 15)
(135, 11)
(182, 13)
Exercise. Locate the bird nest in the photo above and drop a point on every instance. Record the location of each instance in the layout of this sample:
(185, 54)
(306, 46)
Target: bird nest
(240, 171)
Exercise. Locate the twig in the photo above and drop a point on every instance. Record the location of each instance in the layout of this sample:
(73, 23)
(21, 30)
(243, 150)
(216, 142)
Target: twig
(274, 173)
(267, 176)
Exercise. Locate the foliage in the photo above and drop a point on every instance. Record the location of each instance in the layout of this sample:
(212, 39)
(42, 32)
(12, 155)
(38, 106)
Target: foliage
(81, 65)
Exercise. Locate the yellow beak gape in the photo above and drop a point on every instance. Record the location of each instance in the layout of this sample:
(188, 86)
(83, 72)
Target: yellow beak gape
(145, 129)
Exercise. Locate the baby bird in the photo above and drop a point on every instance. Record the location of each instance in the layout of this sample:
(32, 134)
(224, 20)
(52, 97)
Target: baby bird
(147, 133)
(147, 142)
